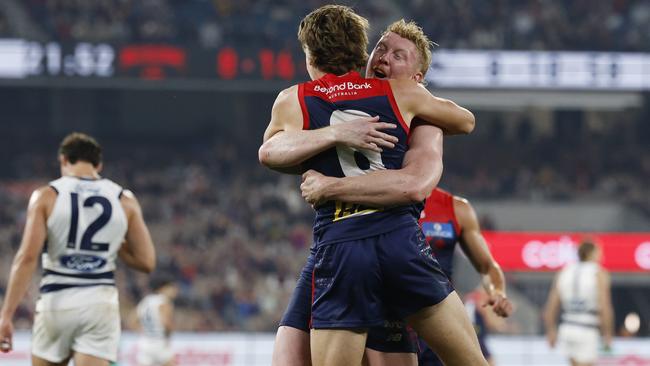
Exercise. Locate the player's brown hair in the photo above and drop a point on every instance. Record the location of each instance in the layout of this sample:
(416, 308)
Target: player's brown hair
(586, 249)
(78, 146)
(336, 38)
(415, 34)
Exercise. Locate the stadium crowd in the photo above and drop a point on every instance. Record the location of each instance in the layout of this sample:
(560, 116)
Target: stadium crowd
(622, 25)
(236, 235)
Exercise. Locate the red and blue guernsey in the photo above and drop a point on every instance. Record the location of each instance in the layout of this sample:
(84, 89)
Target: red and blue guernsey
(331, 100)
(441, 228)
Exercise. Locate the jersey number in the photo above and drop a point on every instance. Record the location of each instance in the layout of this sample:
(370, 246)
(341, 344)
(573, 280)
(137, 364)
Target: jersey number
(101, 221)
(346, 154)
(349, 163)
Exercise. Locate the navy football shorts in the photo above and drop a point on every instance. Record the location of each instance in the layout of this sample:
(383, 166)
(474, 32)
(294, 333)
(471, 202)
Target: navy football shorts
(358, 282)
(298, 313)
(392, 336)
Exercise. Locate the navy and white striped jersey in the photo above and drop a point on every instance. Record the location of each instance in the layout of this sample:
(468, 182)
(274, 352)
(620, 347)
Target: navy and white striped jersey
(84, 233)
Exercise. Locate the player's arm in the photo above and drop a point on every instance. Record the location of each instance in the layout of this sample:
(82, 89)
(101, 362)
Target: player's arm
(287, 145)
(26, 259)
(606, 308)
(137, 251)
(475, 248)
(133, 320)
(414, 100)
(551, 311)
(420, 173)
(167, 317)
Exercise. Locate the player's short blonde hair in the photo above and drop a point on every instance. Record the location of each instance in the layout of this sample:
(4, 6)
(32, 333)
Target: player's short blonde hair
(415, 34)
(336, 38)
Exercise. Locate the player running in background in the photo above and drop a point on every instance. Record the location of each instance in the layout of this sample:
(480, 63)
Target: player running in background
(78, 224)
(403, 52)
(582, 290)
(355, 243)
(155, 314)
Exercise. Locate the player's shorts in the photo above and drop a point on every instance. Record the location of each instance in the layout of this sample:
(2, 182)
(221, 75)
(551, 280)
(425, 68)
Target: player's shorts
(153, 352)
(579, 342)
(426, 357)
(298, 313)
(93, 330)
(358, 282)
(392, 336)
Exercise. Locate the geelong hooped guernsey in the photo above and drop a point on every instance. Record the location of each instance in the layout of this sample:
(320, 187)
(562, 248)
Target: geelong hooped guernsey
(149, 316)
(578, 289)
(332, 100)
(84, 233)
(440, 227)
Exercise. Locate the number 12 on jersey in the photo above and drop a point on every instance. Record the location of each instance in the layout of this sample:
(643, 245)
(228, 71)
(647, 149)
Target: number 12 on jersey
(88, 234)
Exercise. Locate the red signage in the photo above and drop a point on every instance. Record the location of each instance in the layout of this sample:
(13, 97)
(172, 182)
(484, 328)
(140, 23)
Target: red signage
(529, 251)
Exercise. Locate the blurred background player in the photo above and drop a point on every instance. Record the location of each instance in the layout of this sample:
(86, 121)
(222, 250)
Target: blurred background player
(484, 319)
(79, 224)
(155, 315)
(581, 292)
(403, 52)
(447, 220)
(341, 313)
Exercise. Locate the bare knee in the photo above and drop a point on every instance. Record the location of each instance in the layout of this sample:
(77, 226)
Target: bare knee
(334, 347)
(291, 347)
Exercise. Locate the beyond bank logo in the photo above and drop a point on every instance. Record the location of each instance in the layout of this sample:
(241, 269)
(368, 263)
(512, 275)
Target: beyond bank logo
(342, 87)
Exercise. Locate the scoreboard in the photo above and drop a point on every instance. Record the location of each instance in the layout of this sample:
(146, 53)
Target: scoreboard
(459, 69)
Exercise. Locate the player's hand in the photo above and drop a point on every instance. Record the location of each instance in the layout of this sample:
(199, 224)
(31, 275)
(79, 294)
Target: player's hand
(500, 303)
(313, 187)
(607, 343)
(551, 338)
(365, 133)
(6, 335)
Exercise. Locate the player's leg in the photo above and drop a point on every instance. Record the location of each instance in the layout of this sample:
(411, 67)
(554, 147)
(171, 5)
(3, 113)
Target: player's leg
(82, 359)
(346, 301)
(291, 347)
(52, 337)
(392, 344)
(337, 347)
(418, 290)
(37, 361)
(377, 358)
(97, 338)
(580, 343)
(446, 328)
(576, 363)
